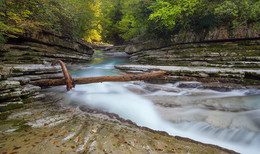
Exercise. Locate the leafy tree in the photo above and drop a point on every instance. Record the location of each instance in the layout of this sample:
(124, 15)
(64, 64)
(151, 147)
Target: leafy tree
(238, 12)
(15, 18)
(112, 15)
(135, 23)
(169, 13)
(71, 18)
(117, 21)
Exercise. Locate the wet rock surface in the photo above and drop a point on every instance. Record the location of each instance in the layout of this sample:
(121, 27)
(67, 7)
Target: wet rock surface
(222, 79)
(54, 127)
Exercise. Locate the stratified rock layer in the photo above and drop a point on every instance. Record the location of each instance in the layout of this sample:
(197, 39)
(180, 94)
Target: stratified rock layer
(239, 54)
(217, 49)
(15, 87)
(43, 46)
(246, 77)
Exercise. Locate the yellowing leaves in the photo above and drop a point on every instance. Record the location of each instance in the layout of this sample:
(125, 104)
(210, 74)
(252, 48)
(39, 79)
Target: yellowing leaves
(94, 35)
(13, 16)
(26, 13)
(2, 14)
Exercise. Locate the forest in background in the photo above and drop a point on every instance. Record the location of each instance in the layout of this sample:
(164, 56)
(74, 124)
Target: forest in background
(120, 21)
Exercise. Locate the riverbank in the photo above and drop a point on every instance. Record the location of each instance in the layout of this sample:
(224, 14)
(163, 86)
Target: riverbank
(52, 127)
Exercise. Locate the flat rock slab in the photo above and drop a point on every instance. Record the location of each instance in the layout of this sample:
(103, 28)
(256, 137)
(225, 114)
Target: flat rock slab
(38, 69)
(12, 71)
(180, 68)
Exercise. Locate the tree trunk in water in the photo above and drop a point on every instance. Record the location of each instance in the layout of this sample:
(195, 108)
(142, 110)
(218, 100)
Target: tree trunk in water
(133, 77)
(70, 83)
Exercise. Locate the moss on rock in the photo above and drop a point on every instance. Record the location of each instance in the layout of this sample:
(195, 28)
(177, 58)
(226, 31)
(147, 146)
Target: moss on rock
(11, 106)
(252, 75)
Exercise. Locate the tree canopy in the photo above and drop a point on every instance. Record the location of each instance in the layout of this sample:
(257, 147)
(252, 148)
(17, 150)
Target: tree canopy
(119, 21)
(71, 18)
(128, 20)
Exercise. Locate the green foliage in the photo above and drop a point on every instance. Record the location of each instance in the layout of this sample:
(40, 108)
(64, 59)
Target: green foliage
(71, 18)
(172, 12)
(134, 22)
(117, 21)
(125, 20)
(112, 15)
(255, 12)
(238, 12)
(227, 10)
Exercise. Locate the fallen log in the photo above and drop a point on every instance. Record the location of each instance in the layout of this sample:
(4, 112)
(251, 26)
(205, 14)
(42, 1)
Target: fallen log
(70, 83)
(87, 80)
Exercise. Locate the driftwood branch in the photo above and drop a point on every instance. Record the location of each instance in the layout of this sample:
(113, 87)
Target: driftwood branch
(70, 83)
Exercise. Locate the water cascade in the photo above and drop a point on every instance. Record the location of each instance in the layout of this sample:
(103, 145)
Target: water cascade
(228, 119)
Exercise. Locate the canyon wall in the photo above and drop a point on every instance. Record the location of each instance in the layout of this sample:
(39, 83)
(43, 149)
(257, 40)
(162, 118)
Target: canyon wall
(43, 46)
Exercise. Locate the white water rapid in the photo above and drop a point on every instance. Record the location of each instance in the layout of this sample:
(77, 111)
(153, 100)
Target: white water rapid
(227, 119)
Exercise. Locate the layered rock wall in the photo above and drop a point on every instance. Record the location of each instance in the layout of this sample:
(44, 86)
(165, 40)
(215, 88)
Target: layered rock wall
(222, 47)
(15, 87)
(43, 46)
(220, 34)
(239, 54)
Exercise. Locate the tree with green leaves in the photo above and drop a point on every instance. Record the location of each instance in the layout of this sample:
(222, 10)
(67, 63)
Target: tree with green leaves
(171, 13)
(119, 21)
(111, 16)
(76, 19)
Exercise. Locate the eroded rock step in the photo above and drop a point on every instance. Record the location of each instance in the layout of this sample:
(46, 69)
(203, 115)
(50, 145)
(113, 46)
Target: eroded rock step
(245, 77)
(15, 87)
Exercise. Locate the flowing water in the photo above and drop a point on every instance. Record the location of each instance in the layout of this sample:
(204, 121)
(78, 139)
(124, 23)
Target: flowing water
(228, 119)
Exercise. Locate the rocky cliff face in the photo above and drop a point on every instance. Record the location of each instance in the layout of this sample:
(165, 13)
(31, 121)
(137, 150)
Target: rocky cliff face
(44, 46)
(240, 54)
(221, 47)
(221, 34)
(218, 34)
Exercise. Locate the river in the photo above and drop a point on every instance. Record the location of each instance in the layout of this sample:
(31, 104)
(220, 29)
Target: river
(228, 119)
